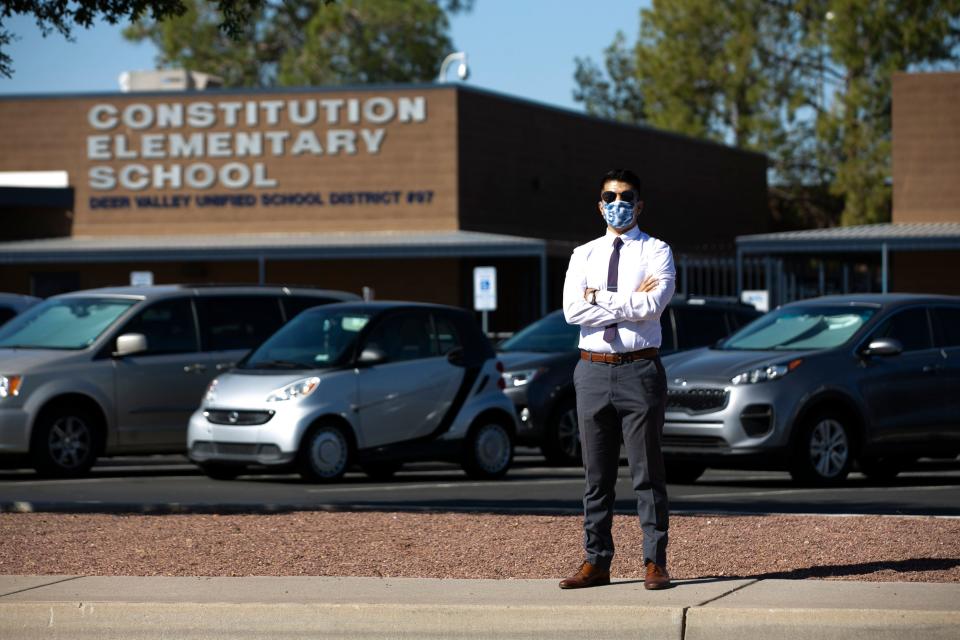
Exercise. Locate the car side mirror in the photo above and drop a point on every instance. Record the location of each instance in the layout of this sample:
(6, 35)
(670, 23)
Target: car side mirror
(456, 356)
(372, 356)
(882, 347)
(129, 344)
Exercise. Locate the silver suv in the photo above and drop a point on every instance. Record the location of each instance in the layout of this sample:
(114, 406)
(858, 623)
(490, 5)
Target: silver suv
(120, 370)
(374, 383)
(819, 385)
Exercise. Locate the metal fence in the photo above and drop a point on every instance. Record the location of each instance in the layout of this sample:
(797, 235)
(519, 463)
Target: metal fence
(784, 279)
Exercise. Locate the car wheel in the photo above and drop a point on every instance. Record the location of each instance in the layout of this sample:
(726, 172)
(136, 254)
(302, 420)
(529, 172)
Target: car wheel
(381, 470)
(823, 451)
(64, 443)
(561, 442)
(325, 454)
(488, 451)
(880, 469)
(684, 472)
(221, 471)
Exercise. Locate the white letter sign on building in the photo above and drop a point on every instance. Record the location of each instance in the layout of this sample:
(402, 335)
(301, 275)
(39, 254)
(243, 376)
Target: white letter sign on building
(247, 129)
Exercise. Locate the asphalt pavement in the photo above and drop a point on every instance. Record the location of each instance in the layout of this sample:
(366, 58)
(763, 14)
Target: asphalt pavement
(171, 483)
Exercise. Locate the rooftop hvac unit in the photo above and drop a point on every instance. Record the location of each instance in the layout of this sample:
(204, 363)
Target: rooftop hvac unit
(167, 80)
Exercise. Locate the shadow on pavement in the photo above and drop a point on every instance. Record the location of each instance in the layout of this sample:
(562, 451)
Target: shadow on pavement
(910, 565)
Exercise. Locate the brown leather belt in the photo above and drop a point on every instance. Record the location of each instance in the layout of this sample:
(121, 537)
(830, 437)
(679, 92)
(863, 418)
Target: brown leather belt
(620, 358)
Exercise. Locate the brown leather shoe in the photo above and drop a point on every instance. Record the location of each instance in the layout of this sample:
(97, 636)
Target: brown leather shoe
(588, 576)
(657, 577)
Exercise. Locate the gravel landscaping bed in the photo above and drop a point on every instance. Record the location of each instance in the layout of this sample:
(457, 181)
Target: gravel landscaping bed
(448, 545)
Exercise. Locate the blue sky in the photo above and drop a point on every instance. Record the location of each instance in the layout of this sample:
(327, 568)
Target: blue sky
(524, 48)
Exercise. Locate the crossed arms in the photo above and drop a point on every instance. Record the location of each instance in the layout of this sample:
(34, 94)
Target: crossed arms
(646, 302)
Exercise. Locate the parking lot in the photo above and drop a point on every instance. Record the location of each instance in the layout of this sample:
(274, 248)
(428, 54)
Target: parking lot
(172, 484)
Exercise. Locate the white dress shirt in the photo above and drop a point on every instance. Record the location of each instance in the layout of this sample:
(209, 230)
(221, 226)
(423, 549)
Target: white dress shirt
(637, 315)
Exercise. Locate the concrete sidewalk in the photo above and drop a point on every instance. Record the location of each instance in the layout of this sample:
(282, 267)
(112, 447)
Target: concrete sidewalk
(131, 608)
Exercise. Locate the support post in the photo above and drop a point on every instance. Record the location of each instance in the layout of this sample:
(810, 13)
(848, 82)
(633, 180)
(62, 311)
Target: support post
(261, 269)
(543, 285)
(768, 281)
(884, 268)
(685, 275)
(739, 272)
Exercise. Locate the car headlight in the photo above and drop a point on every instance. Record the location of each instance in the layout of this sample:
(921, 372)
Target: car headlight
(765, 374)
(520, 377)
(211, 393)
(294, 390)
(10, 385)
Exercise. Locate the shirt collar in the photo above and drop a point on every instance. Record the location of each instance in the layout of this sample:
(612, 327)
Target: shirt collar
(633, 234)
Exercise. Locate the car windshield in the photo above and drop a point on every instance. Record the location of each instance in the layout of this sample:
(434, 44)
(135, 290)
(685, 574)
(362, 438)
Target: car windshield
(799, 328)
(63, 323)
(314, 339)
(548, 334)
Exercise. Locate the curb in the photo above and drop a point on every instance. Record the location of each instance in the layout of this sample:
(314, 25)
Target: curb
(131, 608)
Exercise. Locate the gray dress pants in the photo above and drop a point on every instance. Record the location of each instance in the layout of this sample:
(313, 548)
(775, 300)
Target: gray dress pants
(628, 400)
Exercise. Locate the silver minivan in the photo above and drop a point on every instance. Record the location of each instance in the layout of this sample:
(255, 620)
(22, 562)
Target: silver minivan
(119, 370)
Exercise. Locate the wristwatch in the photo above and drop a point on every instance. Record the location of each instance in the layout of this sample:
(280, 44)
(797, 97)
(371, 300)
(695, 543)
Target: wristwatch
(592, 297)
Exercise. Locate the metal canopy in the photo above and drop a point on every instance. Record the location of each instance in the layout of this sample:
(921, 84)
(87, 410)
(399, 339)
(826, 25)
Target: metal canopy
(263, 247)
(882, 238)
(932, 236)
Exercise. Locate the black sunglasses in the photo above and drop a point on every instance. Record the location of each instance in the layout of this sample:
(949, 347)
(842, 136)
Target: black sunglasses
(627, 196)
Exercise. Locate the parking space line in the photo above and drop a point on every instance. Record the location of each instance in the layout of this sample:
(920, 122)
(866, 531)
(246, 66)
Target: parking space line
(440, 485)
(751, 494)
(47, 483)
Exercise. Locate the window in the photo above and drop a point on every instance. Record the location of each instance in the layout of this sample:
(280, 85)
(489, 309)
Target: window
(317, 338)
(6, 313)
(404, 337)
(293, 305)
(63, 323)
(548, 334)
(168, 326)
(909, 327)
(237, 322)
(699, 327)
(947, 320)
(800, 327)
(447, 338)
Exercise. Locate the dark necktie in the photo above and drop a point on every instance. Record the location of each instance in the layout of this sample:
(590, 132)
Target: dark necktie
(610, 331)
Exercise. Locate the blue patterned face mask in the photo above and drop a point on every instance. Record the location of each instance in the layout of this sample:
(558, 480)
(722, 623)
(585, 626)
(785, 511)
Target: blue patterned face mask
(618, 214)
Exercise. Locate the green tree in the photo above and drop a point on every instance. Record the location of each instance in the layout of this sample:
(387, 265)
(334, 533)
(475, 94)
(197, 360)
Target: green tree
(867, 41)
(805, 81)
(362, 41)
(63, 16)
(617, 98)
(297, 42)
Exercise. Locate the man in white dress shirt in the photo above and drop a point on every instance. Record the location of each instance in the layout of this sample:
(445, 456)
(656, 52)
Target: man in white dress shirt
(616, 288)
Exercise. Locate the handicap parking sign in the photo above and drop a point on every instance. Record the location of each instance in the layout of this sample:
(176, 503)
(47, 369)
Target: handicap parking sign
(485, 288)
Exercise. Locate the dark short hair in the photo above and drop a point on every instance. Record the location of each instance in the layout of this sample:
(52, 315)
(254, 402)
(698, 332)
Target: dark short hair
(623, 175)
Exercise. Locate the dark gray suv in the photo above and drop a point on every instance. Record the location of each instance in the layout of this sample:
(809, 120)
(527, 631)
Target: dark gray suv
(819, 385)
(120, 370)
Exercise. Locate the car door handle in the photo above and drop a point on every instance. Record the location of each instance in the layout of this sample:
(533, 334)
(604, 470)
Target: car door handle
(196, 367)
(223, 366)
(932, 368)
